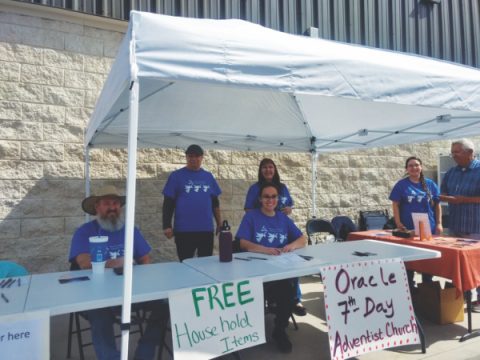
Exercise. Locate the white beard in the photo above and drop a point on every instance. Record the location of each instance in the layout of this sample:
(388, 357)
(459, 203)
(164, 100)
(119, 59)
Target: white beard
(111, 225)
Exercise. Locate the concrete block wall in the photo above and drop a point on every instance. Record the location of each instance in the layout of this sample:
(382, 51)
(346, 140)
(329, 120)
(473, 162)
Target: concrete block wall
(52, 68)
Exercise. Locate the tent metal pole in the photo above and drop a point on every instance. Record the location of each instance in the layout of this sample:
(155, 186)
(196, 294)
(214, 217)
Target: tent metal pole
(314, 158)
(87, 178)
(130, 207)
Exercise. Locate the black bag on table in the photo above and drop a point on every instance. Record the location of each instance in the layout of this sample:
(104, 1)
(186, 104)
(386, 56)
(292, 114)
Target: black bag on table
(376, 219)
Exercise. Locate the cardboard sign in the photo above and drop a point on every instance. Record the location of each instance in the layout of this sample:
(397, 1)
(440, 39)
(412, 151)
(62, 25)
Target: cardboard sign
(25, 336)
(368, 307)
(217, 319)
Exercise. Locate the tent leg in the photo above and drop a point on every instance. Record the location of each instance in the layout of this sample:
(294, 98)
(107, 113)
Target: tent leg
(87, 178)
(314, 158)
(130, 205)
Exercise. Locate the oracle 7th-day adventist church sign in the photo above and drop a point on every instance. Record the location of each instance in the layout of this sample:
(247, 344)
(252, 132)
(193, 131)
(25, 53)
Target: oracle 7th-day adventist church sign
(217, 319)
(368, 307)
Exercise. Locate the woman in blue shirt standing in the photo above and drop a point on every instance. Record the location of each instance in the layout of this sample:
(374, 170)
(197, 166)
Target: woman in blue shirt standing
(268, 174)
(416, 194)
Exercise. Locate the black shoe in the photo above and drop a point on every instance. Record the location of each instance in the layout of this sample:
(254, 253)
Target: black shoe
(476, 308)
(299, 310)
(282, 340)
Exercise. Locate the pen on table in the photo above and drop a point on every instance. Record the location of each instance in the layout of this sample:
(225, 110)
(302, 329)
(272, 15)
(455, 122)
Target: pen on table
(6, 282)
(257, 258)
(4, 298)
(240, 258)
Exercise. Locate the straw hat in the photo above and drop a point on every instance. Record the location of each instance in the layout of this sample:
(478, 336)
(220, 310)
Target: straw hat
(88, 204)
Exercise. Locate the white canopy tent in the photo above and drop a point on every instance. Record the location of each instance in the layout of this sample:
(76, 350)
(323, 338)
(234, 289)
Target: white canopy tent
(230, 84)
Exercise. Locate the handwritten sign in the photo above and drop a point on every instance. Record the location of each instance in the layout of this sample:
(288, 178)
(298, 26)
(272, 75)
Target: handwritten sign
(25, 336)
(368, 307)
(217, 319)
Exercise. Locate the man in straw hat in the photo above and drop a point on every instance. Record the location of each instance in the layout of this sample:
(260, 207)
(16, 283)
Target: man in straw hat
(192, 194)
(107, 205)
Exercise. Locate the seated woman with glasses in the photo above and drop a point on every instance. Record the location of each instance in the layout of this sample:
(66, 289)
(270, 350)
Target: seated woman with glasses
(269, 231)
(268, 174)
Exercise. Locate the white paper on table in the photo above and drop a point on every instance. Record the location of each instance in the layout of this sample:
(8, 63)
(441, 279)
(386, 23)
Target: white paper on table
(417, 217)
(287, 259)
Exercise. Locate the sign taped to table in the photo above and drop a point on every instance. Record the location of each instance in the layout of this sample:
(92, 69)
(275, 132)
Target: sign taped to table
(368, 307)
(217, 319)
(25, 336)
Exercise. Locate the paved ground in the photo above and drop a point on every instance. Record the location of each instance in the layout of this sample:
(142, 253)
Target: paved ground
(310, 341)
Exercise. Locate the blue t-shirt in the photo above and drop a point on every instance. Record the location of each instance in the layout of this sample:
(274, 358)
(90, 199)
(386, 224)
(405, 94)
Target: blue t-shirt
(252, 200)
(270, 231)
(413, 199)
(11, 269)
(115, 245)
(463, 218)
(192, 192)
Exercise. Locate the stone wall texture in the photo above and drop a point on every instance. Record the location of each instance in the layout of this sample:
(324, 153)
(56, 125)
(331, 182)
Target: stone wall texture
(51, 72)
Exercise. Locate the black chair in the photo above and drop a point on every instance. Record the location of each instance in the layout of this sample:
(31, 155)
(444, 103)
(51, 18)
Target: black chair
(318, 226)
(343, 226)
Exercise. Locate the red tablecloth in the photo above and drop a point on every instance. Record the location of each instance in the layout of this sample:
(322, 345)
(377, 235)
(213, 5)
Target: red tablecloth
(460, 261)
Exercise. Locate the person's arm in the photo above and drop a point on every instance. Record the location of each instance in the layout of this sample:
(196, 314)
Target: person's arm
(296, 244)
(251, 198)
(252, 247)
(438, 219)
(168, 209)
(460, 199)
(287, 209)
(145, 259)
(84, 261)
(217, 213)
(396, 215)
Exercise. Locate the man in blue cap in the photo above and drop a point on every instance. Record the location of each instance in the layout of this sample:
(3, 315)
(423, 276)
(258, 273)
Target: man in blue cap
(191, 194)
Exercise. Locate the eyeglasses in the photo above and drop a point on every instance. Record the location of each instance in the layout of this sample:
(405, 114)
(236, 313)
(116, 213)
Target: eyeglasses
(271, 197)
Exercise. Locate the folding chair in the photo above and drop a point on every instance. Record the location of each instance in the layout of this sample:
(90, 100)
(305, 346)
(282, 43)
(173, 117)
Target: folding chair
(318, 226)
(343, 225)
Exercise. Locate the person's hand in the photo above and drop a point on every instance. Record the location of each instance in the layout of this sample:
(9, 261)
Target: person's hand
(288, 248)
(401, 227)
(113, 263)
(168, 233)
(218, 229)
(459, 199)
(287, 210)
(271, 251)
(452, 199)
(438, 229)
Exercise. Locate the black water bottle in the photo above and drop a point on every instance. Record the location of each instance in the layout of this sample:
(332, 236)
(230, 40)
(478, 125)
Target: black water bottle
(225, 242)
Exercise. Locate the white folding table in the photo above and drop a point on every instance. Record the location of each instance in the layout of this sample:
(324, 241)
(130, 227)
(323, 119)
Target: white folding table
(245, 265)
(151, 282)
(13, 294)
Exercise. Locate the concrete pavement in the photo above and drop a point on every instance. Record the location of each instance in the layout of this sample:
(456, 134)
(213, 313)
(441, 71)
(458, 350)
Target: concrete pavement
(310, 341)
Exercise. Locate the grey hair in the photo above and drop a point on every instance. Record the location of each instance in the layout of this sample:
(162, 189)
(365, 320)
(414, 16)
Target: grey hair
(465, 144)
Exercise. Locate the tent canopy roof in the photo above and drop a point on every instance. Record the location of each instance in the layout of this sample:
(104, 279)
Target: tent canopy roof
(230, 84)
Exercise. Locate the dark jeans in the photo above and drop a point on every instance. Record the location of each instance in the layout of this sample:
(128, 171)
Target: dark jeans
(189, 242)
(103, 337)
(282, 293)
